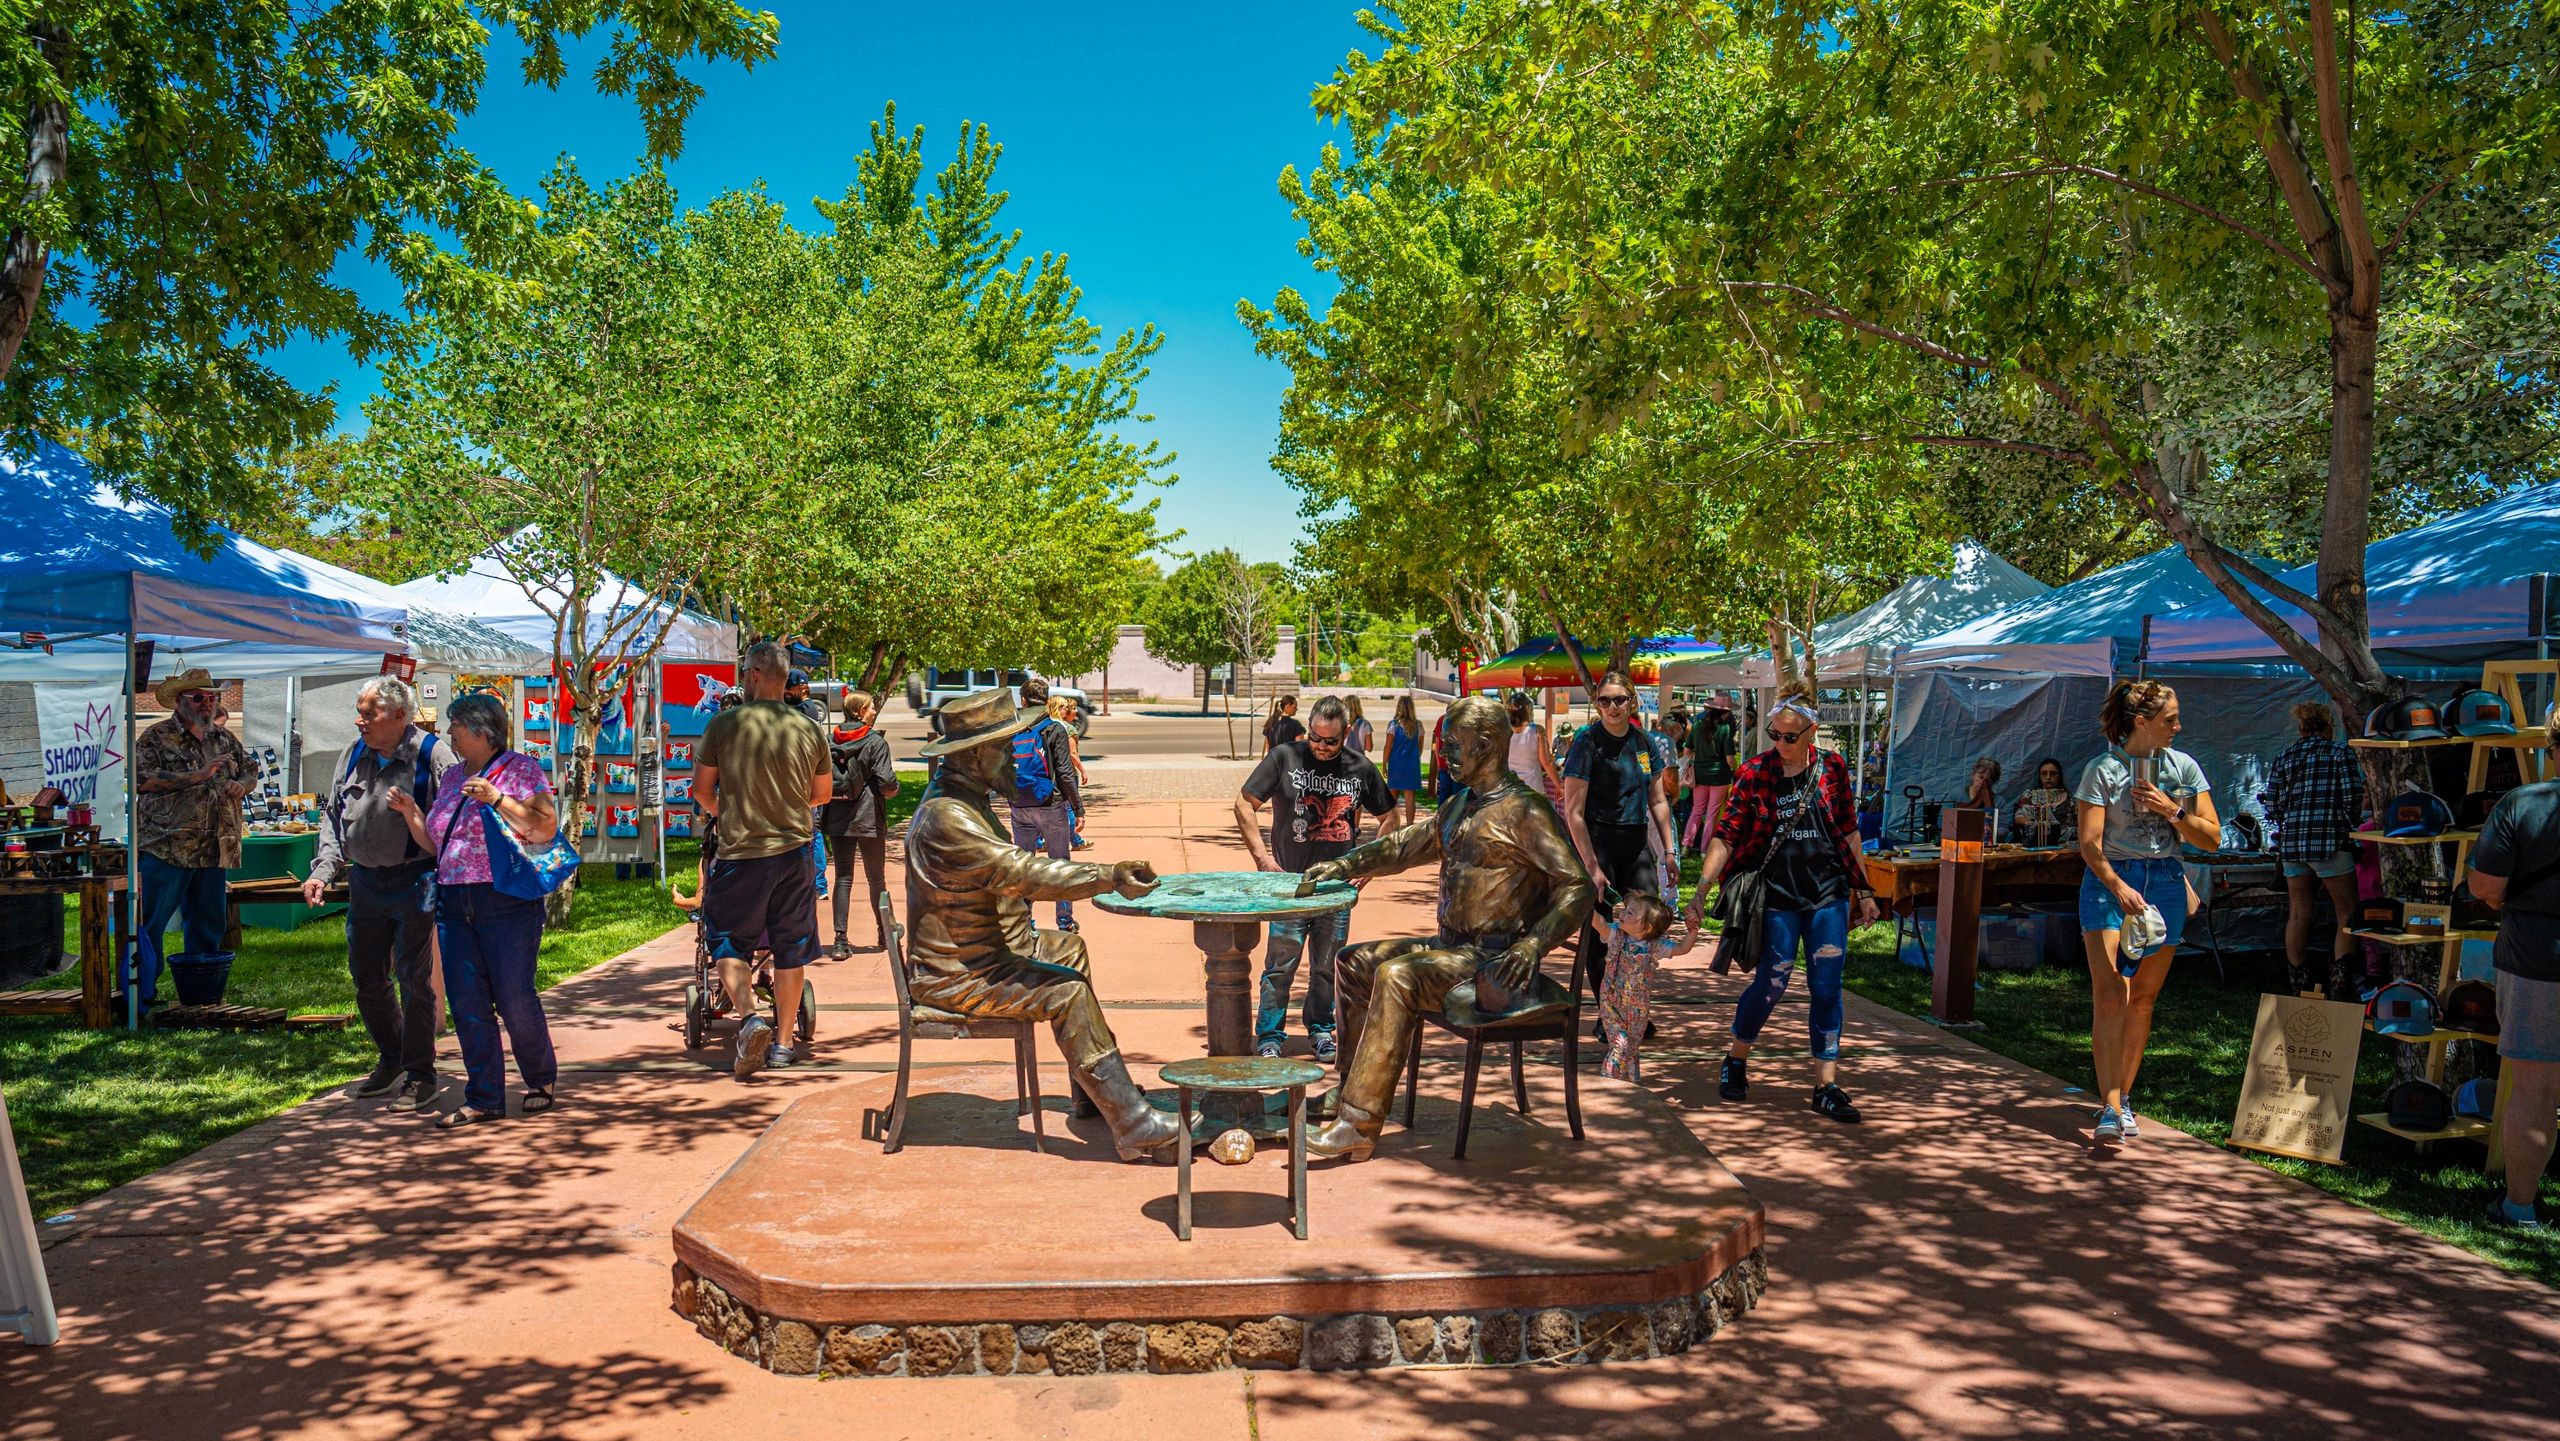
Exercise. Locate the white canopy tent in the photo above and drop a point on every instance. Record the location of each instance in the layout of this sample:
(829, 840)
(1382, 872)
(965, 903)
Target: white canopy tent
(488, 593)
(1856, 650)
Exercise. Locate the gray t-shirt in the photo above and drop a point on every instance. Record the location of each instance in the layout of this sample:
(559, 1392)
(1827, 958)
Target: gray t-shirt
(2517, 844)
(2134, 834)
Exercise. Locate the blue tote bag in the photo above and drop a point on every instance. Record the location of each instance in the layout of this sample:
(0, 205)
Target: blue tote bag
(528, 874)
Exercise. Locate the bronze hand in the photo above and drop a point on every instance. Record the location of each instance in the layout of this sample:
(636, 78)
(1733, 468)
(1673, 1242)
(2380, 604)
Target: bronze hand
(1133, 879)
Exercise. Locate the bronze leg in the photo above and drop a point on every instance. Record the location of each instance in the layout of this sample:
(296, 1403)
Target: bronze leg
(1398, 989)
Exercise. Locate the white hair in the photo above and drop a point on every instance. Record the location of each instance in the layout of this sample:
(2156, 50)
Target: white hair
(391, 693)
(767, 658)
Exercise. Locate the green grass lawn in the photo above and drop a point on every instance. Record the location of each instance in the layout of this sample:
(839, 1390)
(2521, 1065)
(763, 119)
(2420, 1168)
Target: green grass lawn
(94, 1109)
(2191, 1080)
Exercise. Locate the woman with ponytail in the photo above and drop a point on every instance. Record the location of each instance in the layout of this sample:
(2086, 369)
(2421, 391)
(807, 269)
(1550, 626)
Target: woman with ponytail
(2138, 803)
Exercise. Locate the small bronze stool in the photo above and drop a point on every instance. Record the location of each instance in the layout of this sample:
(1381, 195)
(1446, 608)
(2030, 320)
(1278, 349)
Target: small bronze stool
(1243, 1073)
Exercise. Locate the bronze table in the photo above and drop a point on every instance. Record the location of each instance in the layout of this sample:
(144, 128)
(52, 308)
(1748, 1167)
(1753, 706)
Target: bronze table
(1220, 1075)
(1227, 911)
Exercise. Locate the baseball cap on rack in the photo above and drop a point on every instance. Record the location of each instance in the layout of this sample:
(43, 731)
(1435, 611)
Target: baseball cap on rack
(2402, 1008)
(2416, 813)
(2473, 813)
(2481, 713)
(2470, 913)
(2476, 1097)
(2471, 1006)
(2378, 913)
(2405, 719)
(2418, 1106)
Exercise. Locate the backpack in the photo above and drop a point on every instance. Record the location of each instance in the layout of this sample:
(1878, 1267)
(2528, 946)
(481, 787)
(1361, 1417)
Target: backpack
(422, 779)
(1031, 764)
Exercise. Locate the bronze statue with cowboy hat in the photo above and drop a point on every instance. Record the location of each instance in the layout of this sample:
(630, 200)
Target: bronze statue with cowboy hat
(189, 774)
(971, 949)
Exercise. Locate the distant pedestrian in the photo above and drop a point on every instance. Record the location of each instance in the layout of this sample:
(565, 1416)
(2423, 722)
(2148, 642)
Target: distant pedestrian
(1317, 787)
(856, 815)
(1062, 710)
(490, 942)
(2516, 870)
(2315, 795)
(1047, 791)
(762, 771)
(1362, 737)
(190, 775)
(391, 886)
(2138, 803)
(1711, 750)
(1531, 759)
(1282, 726)
(795, 691)
(1404, 758)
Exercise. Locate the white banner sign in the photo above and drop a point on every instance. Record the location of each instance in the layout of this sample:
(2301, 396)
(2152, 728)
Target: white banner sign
(81, 731)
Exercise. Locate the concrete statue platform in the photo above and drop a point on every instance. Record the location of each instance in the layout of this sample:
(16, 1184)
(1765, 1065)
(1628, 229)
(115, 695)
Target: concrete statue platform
(969, 1254)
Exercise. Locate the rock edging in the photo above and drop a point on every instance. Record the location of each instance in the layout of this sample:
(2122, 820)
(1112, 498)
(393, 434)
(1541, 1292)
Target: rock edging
(1551, 1335)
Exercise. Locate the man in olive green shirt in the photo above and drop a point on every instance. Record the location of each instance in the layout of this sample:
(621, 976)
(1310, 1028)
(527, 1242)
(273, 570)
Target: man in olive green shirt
(760, 770)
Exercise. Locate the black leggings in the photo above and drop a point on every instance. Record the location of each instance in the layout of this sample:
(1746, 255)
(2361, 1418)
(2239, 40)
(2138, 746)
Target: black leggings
(1622, 851)
(841, 850)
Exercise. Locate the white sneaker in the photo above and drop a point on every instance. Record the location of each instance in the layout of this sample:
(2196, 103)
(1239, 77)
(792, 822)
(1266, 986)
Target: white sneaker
(2128, 1128)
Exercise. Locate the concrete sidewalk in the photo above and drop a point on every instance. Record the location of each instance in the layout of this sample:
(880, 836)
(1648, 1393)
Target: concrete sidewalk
(1960, 1265)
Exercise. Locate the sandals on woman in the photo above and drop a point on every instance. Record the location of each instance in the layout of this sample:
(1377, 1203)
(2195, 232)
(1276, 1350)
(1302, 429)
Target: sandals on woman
(467, 1116)
(538, 1100)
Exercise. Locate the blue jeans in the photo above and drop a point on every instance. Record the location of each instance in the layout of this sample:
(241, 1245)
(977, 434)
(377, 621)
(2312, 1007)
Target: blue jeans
(1050, 830)
(1823, 935)
(1320, 939)
(490, 941)
(196, 897)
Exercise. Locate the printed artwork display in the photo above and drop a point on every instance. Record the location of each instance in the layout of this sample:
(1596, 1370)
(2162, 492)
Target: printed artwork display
(680, 825)
(679, 790)
(537, 705)
(692, 696)
(622, 821)
(621, 778)
(679, 755)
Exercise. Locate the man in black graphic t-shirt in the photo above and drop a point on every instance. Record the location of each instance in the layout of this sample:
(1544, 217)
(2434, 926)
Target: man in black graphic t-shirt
(1320, 789)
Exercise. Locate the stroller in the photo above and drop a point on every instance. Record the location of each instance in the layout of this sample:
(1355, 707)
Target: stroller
(707, 1000)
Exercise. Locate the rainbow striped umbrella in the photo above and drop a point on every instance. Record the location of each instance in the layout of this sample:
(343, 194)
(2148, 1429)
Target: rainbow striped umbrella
(1540, 661)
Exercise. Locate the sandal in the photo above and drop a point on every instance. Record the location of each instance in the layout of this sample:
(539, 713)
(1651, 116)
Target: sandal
(466, 1116)
(537, 1100)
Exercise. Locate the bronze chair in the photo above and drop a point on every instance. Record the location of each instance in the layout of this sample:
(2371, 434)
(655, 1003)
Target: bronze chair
(924, 1023)
(1553, 1018)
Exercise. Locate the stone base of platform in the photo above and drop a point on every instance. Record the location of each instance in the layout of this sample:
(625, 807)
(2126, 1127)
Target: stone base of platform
(1554, 1335)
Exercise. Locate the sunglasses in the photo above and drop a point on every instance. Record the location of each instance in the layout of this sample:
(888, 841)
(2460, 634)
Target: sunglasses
(1317, 740)
(1788, 738)
(1613, 701)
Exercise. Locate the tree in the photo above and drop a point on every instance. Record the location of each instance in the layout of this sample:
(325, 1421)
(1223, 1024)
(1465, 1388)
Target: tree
(1216, 610)
(2213, 242)
(571, 404)
(947, 476)
(195, 174)
(309, 501)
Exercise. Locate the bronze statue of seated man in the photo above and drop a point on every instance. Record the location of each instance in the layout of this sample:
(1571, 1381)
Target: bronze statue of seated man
(1511, 889)
(971, 949)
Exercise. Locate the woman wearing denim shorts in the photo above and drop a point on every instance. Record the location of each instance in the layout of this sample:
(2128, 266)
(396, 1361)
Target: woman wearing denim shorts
(2138, 803)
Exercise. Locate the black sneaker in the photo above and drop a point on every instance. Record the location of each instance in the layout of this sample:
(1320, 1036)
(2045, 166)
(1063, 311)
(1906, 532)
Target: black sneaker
(1831, 1101)
(417, 1093)
(379, 1082)
(2499, 1220)
(1734, 1081)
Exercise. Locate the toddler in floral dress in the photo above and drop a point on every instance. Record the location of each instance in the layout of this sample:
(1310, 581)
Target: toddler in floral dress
(1626, 993)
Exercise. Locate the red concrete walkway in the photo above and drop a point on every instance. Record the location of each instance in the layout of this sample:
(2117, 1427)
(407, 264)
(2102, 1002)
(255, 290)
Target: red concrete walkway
(1961, 1265)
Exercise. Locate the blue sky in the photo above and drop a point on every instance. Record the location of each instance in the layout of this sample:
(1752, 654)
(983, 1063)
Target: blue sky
(1144, 142)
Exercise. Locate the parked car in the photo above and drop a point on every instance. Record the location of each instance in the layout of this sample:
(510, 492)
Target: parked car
(928, 688)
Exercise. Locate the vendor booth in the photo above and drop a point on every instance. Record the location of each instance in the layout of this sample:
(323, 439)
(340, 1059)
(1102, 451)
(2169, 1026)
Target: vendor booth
(1542, 662)
(640, 782)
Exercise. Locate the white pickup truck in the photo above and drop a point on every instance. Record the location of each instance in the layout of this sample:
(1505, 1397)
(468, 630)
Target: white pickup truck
(928, 688)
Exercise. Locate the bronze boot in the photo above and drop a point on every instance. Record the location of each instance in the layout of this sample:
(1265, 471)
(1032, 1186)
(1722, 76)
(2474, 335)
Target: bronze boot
(1136, 1127)
(1353, 1134)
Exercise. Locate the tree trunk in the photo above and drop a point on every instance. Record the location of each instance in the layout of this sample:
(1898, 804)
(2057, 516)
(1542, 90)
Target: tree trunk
(1572, 651)
(871, 668)
(23, 263)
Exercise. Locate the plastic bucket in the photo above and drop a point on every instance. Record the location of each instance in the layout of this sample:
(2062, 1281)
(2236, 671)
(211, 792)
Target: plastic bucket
(201, 977)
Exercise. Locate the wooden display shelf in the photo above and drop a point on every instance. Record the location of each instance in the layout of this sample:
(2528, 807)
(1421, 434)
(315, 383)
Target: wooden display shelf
(2440, 1033)
(2439, 838)
(2397, 938)
(2377, 743)
(2464, 1128)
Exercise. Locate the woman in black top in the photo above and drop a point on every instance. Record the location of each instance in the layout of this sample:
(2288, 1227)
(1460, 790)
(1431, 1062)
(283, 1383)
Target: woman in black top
(1617, 805)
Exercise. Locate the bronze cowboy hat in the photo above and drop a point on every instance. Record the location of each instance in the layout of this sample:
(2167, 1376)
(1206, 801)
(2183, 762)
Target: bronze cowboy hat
(172, 687)
(980, 717)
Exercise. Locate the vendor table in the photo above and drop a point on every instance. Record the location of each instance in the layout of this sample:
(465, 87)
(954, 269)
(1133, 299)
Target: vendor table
(103, 937)
(275, 893)
(286, 856)
(1902, 882)
(1227, 910)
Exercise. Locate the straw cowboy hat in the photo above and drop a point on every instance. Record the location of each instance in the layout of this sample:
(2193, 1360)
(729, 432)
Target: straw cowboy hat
(987, 715)
(172, 687)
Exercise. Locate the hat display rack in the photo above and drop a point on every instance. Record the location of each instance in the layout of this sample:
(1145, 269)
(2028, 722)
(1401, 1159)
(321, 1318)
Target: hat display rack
(2483, 720)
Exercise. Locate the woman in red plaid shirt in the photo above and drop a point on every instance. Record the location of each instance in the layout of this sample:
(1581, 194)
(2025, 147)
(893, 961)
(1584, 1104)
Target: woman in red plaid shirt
(1792, 817)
